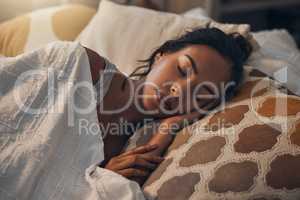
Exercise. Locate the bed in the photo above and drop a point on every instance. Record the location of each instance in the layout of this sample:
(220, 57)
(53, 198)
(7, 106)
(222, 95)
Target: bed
(249, 150)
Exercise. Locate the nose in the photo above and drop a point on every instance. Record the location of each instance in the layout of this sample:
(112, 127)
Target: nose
(175, 91)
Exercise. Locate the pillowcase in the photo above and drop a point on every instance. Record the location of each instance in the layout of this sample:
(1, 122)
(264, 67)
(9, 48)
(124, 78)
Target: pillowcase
(36, 29)
(125, 34)
(278, 57)
(249, 150)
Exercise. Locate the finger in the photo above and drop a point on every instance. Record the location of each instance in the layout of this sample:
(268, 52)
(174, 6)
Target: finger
(141, 160)
(154, 159)
(140, 150)
(132, 172)
(121, 163)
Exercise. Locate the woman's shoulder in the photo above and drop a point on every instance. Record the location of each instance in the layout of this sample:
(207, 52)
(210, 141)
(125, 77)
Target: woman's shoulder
(100, 65)
(61, 52)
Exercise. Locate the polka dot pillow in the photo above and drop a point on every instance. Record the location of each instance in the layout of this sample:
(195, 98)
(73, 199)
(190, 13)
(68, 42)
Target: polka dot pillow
(31, 31)
(250, 150)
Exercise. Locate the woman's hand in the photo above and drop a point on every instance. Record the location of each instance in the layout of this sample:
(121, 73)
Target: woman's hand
(177, 122)
(164, 135)
(135, 164)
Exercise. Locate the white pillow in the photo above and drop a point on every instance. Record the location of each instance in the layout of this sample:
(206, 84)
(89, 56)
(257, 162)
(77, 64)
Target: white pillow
(36, 29)
(125, 34)
(197, 13)
(278, 57)
(57, 23)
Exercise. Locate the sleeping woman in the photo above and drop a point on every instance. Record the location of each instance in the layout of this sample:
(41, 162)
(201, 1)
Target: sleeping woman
(64, 109)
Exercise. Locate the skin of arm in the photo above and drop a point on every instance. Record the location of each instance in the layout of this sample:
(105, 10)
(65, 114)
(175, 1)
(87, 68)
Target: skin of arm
(169, 126)
(164, 136)
(167, 129)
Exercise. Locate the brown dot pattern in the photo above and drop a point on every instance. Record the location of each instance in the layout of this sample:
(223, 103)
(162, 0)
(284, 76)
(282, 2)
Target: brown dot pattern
(181, 138)
(173, 189)
(235, 177)
(204, 151)
(247, 91)
(158, 172)
(295, 137)
(257, 138)
(227, 118)
(284, 172)
(279, 107)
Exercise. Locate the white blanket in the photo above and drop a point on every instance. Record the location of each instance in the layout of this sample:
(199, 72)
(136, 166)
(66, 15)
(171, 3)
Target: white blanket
(49, 148)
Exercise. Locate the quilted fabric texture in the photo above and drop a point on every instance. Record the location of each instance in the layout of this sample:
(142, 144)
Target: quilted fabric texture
(36, 29)
(250, 150)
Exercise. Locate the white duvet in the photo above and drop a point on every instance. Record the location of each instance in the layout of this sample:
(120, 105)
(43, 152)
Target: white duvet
(49, 149)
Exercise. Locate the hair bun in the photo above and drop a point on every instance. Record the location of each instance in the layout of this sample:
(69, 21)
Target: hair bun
(243, 44)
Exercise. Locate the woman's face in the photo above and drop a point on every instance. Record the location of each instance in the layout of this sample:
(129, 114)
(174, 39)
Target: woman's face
(185, 80)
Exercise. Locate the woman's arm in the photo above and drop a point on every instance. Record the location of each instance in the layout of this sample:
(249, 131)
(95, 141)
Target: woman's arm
(137, 164)
(167, 127)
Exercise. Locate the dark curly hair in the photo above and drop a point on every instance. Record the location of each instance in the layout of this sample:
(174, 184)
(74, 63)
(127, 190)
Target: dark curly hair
(232, 46)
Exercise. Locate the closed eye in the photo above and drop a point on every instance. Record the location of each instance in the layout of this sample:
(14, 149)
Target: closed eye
(181, 71)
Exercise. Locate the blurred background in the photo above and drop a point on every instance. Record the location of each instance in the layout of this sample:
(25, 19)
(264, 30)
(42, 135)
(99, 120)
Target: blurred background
(261, 14)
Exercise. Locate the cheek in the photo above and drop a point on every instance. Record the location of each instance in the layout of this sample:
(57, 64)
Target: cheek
(149, 96)
(164, 70)
(157, 79)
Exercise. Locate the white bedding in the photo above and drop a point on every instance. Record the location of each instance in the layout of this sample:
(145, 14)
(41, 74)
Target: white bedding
(278, 57)
(51, 154)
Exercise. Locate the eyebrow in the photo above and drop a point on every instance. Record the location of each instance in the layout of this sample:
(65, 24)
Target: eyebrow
(194, 66)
